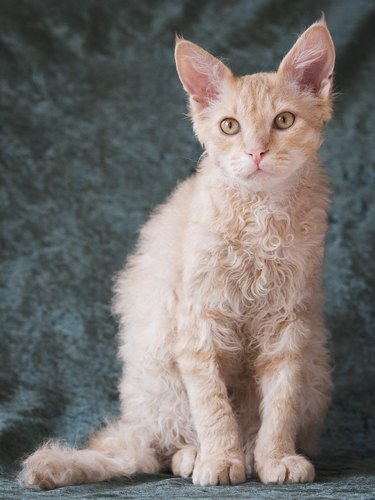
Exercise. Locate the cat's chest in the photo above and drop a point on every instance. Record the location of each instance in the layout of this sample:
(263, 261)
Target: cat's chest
(256, 243)
(265, 257)
(253, 264)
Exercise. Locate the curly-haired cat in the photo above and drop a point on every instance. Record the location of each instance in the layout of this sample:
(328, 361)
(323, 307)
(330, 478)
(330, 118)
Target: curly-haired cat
(226, 370)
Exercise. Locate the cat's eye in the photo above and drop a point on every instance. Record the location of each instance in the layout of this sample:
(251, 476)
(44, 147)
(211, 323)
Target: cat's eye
(284, 120)
(230, 126)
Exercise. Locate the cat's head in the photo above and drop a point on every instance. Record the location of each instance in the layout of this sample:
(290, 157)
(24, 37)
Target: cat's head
(261, 129)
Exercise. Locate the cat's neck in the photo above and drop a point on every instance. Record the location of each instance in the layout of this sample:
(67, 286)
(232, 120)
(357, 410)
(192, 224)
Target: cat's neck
(230, 211)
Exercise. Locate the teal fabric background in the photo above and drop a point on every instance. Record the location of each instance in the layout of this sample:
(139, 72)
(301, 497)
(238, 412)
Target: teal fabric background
(93, 136)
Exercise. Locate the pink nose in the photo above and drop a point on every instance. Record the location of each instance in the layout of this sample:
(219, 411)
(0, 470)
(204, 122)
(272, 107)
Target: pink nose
(257, 155)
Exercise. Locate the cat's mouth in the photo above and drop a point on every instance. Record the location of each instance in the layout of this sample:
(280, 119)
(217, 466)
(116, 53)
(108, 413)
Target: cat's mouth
(257, 173)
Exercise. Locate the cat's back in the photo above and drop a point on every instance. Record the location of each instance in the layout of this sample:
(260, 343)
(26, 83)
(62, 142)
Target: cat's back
(151, 273)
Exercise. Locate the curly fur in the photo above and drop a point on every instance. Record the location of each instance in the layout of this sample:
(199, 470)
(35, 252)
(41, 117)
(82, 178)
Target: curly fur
(220, 307)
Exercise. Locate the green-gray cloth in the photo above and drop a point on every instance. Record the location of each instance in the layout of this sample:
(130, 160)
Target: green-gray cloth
(93, 136)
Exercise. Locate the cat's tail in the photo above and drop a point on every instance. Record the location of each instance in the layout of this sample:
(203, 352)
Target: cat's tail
(115, 451)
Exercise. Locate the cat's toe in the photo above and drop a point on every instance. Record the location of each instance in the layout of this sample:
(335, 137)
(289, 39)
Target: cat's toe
(183, 461)
(299, 469)
(289, 469)
(219, 471)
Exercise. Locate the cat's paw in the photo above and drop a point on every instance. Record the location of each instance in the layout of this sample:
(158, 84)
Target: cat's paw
(183, 461)
(219, 470)
(289, 469)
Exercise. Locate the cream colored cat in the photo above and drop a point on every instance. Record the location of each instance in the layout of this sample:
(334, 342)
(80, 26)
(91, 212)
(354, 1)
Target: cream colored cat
(226, 369)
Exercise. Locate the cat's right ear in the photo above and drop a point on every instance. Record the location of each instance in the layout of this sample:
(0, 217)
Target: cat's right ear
(201, 74)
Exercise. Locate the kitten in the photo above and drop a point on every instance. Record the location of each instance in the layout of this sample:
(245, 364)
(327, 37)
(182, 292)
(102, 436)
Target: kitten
(226, 370)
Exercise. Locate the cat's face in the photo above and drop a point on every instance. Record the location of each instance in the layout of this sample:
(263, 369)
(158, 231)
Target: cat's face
(261, 130)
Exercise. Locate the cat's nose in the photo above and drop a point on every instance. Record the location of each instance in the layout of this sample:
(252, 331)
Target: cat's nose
(257, 154)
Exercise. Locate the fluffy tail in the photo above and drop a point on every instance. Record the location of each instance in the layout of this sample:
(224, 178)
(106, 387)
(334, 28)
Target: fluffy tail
(113, 452)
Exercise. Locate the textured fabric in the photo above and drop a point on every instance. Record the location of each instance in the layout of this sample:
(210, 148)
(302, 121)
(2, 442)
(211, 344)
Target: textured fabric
(93, 136)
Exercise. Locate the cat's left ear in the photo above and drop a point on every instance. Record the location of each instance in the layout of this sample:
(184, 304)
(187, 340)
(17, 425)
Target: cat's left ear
(311, 60)
(201, 74)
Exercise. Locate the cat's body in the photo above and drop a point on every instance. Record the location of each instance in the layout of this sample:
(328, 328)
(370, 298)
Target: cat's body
(221, 328)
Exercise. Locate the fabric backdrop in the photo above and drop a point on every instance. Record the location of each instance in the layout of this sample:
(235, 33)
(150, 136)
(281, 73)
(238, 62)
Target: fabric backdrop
(93, 136)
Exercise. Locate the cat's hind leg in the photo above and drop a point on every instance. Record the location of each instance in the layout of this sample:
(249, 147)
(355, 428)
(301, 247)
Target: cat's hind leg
(114, 451)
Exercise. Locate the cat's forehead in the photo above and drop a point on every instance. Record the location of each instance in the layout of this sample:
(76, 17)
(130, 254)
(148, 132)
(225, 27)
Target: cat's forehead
(258, 95)
(258, 92)
(256, 84)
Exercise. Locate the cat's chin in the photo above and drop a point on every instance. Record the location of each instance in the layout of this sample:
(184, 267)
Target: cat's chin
(260, 180)
(249, 177)
(263, 182)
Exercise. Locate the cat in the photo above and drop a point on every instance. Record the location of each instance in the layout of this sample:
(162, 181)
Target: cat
(226, 365)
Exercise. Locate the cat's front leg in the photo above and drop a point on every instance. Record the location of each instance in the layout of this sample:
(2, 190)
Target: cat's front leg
(220, 459)
(281, 381)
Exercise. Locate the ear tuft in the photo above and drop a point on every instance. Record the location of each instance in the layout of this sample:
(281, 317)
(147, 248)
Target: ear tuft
(311, 60)
(201, 74)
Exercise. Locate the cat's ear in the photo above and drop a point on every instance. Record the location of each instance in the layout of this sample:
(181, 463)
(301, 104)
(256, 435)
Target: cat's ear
(201, 74)
(310, 62)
